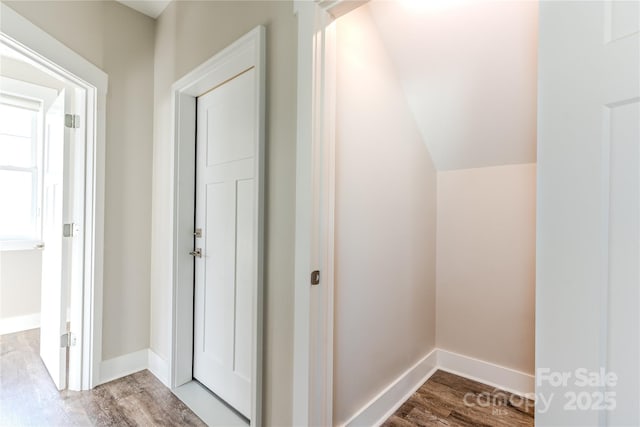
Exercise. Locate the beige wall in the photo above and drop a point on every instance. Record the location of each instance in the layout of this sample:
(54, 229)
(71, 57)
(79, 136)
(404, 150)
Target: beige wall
(486, 264)
(187, 34)
(20, 276)
(385, 224)
(120, 41)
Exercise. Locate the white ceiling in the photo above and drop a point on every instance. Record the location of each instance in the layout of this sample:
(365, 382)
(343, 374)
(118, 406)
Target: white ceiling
(468, 69)
(152, 8)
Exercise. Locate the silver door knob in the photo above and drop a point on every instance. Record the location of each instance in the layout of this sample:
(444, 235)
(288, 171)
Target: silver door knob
(196, 253)
(39, 246)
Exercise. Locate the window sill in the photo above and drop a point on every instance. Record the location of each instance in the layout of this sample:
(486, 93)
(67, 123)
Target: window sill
(19, 245)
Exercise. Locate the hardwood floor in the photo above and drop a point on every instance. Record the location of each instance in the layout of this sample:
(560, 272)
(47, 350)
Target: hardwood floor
(450, 400)
(29, 397)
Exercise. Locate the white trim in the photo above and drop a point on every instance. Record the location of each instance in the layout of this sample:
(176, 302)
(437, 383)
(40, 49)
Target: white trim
(158, 367)
(49, 55)
(207, 407)
(506, 379)
(381, 407)
(130, 363)
(246, 52)
(313, 306)
(124, 365)
(9, 325)
(305, 12)
(314, 247)
(40, 95)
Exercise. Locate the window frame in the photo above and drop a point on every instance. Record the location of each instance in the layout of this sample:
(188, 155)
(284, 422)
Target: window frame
(36, 98)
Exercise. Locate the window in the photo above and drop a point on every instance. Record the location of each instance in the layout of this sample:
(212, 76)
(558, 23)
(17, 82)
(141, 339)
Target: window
(20, 177)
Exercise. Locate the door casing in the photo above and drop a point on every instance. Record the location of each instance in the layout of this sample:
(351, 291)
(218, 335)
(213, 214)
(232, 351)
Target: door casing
(246, 52)
(314, 232)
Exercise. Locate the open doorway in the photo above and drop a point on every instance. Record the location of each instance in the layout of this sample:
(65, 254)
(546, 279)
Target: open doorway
(411, 169)
(41, 186)
(53, 182)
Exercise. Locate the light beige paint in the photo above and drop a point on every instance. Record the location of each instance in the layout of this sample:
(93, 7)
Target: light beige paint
(468, 70)
(486, 264)
(20, 276)
(385, 237)
(119, 41)
(187, 34)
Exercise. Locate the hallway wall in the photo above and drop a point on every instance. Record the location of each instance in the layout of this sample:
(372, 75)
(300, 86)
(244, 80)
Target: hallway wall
(119, 41)
(385, 220)
(20, 276)
(187, 34)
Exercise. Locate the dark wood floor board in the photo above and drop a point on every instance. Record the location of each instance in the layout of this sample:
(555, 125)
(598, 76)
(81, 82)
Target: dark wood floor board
(28, 396)
(447, 399)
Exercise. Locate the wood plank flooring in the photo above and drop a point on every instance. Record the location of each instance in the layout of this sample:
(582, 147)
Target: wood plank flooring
(450, 400)
(28, 396)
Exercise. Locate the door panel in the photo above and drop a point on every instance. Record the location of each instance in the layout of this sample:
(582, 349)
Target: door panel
(245, 248)
(230, 137)
(588, 231)
(226, 211)
(54, 259)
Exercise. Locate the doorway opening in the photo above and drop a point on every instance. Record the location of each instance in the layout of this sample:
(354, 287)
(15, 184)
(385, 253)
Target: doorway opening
(51, 176)
(376, 180)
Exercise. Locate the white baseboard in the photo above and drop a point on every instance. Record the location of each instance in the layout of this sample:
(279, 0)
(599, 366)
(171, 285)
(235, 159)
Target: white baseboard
(124, 365)
(391, 398)
(128, 364)
(9, 325)
(158, 367)
(375, 412)
(506, 379)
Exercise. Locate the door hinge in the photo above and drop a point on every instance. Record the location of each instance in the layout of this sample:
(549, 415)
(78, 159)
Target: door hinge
(67, 340)
(315, 277)
(72, 121)
(70, 230)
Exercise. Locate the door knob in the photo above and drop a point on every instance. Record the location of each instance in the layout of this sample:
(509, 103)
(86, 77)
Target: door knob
(39, 246)
(196, 253)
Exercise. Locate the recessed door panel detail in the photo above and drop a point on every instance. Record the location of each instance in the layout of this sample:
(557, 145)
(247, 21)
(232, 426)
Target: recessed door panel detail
(623, 352)
(245, 248)
(230, 115)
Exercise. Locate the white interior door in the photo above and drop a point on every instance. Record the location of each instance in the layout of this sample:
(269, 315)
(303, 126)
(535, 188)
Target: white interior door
(588, 232)
(227, 214)
(54, 292)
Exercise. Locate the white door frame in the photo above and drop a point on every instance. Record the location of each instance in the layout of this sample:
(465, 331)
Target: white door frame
(314, 233)
(86, 298)
(246, 52)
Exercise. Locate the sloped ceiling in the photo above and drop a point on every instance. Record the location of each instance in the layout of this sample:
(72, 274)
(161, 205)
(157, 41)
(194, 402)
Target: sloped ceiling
(468, 70)
(152, 8)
